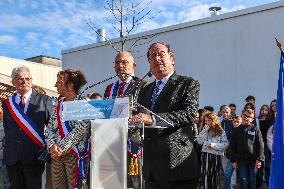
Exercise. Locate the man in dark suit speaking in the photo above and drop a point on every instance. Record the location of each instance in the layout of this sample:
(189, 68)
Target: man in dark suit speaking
(170, 159)
(25, 115)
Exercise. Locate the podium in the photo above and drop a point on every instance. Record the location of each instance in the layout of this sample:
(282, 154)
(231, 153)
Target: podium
(109, 133)
(109, 153)
(109, 128)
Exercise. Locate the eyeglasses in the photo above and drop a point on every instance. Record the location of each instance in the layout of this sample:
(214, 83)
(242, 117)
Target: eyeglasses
(123, 62)
(160, 54)
(22, 79)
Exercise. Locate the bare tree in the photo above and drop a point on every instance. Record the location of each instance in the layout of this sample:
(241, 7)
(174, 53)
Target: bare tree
(126, 18)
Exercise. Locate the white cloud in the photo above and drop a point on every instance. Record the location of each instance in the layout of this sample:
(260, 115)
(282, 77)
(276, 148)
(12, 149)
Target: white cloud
(48, 26)
(5, 39)
(193, 13)
(151, 24)
(34, 5)
(32, 37)
(235, 8)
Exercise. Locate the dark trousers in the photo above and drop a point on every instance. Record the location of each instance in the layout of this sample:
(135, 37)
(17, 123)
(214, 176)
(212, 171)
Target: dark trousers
(247, 175)
(25, 176)
(151, 183)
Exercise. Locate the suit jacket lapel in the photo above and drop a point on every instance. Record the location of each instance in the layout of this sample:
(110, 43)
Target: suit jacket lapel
(148, 95)
(31, 103)
(130, 87)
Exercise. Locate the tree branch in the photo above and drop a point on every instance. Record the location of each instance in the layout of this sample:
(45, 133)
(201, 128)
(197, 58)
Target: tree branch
(94, 28)
(148, 38)
(125, 17)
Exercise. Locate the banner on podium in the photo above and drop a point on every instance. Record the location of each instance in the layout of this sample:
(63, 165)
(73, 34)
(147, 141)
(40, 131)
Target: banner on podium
(96, 109)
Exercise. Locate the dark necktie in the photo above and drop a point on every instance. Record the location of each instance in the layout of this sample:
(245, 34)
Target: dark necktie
(121, 88)
(22, 102)
(155, 93)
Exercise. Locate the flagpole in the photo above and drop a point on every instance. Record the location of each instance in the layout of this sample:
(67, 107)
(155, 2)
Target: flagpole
(277, 157)
(279, 45)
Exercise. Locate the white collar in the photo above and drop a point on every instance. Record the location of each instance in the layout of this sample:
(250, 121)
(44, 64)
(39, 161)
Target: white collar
(165, 79)
(128, 79)
(27, 95)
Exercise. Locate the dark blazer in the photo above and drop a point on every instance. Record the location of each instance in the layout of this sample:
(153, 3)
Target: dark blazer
(169, 153)
(18, 145)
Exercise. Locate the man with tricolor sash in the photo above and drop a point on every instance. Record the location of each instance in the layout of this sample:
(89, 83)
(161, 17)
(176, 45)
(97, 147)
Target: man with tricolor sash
(127, 85)
(26, 113)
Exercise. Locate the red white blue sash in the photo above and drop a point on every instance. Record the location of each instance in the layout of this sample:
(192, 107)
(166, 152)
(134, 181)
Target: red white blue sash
(26, 124)
(64, 129)
(112, 89)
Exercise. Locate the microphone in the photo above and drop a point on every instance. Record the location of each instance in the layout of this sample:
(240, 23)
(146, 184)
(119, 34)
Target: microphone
(136, 84)
(136, 104)
(95, 84)
(149, 74)
(154, 114)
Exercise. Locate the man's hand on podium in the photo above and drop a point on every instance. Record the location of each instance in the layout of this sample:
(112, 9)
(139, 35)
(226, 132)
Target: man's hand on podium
(142, 117)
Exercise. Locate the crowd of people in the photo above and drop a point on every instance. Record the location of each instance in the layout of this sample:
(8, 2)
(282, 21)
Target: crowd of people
(193, 148)
(245, 150)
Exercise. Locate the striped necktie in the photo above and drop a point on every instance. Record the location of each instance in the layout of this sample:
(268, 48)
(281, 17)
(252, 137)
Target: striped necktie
(155, 94)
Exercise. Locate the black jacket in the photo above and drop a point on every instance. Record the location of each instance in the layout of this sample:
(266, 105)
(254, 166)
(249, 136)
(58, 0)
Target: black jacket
(169, 153)
(228, 128)
(18, 145)
(247, 144)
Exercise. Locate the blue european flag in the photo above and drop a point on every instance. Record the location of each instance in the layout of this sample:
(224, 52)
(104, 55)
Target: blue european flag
(276, 180)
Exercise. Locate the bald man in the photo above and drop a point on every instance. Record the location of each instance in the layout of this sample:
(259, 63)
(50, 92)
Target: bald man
(127, 85)
(124, 66)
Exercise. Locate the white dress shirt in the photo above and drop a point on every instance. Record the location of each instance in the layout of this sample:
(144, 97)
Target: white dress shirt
(127, 82)
(27, 98)
(164, 82)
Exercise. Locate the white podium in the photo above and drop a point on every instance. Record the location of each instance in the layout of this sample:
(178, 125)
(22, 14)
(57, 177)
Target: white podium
(109, 130)
(109, 153)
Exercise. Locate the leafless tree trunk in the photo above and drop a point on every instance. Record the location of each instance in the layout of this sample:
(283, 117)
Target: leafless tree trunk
(127, 17)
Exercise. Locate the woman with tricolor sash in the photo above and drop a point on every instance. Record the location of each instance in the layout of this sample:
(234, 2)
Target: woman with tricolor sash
(68, 141)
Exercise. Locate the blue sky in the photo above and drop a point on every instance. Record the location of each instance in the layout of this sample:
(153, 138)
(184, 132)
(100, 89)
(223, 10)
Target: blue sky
(45, 27)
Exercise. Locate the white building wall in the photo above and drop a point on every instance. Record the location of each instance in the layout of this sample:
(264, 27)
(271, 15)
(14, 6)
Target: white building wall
(232, 55)
(43, 75)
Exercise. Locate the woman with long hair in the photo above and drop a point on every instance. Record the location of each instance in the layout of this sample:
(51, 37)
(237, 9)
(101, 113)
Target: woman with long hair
(68, 141)
(214, 141)
(4, 180)
(272, 111)
(201, 123)
(264, 123)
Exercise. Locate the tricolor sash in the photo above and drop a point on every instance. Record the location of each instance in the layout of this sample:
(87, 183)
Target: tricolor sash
(64, 129)
(26, 124)
(112, 89)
